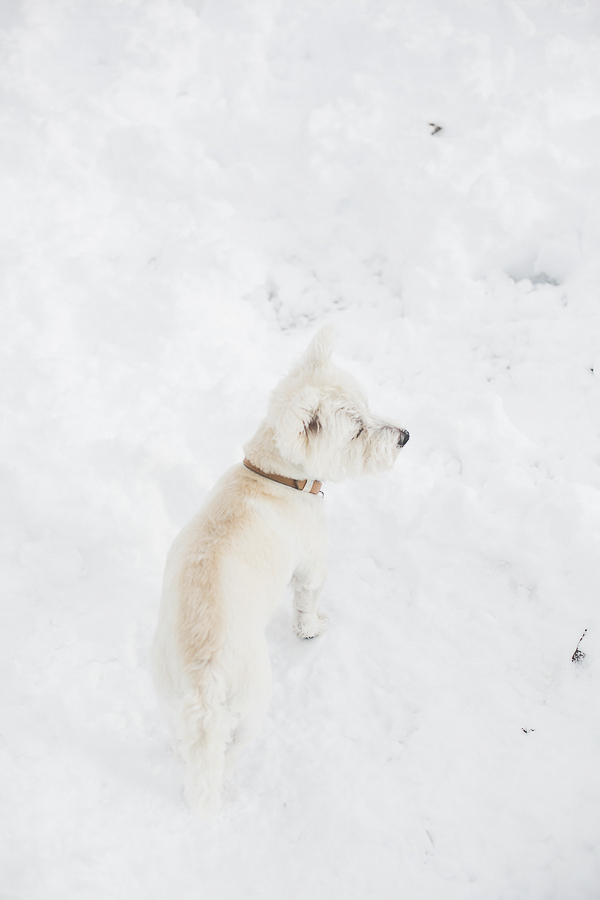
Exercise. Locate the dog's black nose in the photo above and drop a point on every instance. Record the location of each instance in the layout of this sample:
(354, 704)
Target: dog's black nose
(403, 439)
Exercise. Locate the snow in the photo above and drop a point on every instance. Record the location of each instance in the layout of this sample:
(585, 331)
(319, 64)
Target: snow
(188, 190)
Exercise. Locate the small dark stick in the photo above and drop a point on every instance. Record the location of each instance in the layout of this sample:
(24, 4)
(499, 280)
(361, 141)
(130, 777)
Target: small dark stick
(579, 654)
(435, 127)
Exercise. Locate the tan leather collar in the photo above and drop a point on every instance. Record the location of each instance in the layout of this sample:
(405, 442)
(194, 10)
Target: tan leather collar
(308, 487)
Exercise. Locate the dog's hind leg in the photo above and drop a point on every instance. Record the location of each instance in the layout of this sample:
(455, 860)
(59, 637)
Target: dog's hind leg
(204, 728)
(251, 703)
(309, 622)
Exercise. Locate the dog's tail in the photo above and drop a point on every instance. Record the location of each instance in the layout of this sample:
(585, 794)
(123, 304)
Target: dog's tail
(204, 728)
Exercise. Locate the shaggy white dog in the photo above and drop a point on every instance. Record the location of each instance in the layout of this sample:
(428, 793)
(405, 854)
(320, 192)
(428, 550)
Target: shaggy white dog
(262, 528)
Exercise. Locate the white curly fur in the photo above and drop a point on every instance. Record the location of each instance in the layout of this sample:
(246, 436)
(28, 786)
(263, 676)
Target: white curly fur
(227, 569)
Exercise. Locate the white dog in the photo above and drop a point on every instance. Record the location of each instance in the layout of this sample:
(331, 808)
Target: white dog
(262, 528)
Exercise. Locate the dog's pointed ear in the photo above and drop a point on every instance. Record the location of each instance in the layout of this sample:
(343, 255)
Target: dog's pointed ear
(297, 420)
(318, 352)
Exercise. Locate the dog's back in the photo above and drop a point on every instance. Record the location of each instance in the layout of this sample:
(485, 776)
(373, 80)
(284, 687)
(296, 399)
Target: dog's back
(225, 572)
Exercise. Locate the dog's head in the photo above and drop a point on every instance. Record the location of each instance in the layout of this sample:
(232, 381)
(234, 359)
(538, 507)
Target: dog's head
(322, 423)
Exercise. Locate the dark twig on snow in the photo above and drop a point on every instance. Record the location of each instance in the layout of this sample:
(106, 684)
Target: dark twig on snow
(579, 654)
(435, 127)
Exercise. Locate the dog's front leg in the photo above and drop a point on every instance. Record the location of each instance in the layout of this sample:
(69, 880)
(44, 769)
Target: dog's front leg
(308, 621)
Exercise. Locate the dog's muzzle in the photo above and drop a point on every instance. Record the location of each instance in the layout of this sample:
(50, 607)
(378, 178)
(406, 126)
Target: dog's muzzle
(403, 439)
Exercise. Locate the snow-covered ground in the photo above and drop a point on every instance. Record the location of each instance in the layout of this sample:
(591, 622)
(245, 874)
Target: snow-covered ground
(187, 190)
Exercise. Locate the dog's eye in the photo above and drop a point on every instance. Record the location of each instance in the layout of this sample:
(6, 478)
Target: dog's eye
(359, 432)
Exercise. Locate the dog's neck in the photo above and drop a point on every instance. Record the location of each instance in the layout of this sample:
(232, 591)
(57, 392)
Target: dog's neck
(261, 451)
(304, 485)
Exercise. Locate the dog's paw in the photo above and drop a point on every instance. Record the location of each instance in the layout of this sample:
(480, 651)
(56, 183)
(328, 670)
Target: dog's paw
(310, 625)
